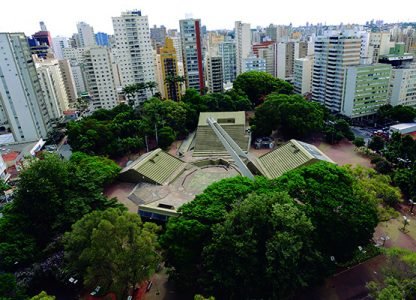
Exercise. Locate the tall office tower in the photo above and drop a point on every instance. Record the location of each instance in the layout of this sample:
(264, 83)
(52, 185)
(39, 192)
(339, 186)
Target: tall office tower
(215, 74)
(86, 35)
(73, 41)
(191, 39)
(58, 44)
(167, 67)
(302, 76)
(332, 54)
(23, 108)
(268, 53)
(102, 39)
(365, 89)
(243, 44)
(158, 35)
(69, 82)
(134, 50)
(52, 85)
(403, 86)
(254, 63)
(229, 61)
(99, 77)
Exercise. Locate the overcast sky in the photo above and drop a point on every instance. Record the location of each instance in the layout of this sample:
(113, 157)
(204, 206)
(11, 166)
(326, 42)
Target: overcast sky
(61, 16)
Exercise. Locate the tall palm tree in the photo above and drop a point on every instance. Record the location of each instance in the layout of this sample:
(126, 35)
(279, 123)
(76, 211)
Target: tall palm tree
(151, 85)
(130, 92)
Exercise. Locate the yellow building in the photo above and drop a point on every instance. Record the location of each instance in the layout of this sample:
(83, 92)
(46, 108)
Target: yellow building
(167, 71)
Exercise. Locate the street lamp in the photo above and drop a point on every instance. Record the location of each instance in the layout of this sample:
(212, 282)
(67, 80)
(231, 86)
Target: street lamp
(405, 223)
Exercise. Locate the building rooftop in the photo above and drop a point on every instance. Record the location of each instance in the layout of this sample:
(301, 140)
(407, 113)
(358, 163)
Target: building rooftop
(403, 126)
(223, 118)
(290, 156)
(156, 167)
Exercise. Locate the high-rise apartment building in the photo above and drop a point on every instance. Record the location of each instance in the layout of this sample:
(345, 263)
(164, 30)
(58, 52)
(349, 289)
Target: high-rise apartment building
(243, 44)
(167, 71)
(227, 52)
(302, 76)
(99, 77)
(365, 89)
(86, 35)
(332, 54)
(403, 86)
(158, 35)
(134, 51)
(69, 82)
(268, 53)
(58, 44)
(215, 74)
(22, 106)
(52, 85)
(191, 38)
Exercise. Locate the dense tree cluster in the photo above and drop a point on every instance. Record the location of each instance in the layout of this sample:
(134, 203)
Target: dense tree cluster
(399, 113)
(257, 85)
(112, 249)
(283, 231)
(291, 115)
(51, 195)
(399, 277)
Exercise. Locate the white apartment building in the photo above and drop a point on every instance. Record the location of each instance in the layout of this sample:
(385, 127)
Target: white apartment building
(403, 86)
(86, 36)
(379, 45)
(134, 51)
(58, 44)
(242, 44)
(99, 77)
(22, 106)
(302, 75)
(69, 81)
(177, 44)
(53, 87)
(333, 53)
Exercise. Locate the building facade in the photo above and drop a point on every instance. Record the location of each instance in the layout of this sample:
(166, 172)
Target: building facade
(192, 54)
(134, 51)
(86, 36)
(332, 54)
(99, 77)
(23, 109)
(254, 63)
(227, 52)
(242, 44)
(366, 88)
(215, 74)
(302, 76)
(403, 86)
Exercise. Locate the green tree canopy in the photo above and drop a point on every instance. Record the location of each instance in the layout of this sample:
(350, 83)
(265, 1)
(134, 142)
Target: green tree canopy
(52, 194)
(292, 115)
(257, 85)
(112, 249)
(43, 296)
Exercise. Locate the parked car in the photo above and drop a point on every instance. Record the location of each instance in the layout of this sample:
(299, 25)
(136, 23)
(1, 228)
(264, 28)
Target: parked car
(264, 142)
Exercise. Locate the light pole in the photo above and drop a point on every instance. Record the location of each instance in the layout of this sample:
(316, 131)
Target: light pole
(412, 204)
(405, 223)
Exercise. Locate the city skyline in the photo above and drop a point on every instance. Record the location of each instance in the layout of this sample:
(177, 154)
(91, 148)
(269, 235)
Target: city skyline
(61, 20)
